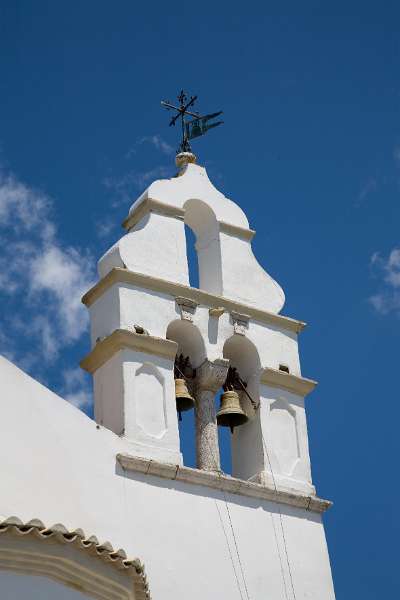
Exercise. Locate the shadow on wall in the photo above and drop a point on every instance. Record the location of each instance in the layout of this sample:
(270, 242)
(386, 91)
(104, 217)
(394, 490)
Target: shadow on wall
(215, 494)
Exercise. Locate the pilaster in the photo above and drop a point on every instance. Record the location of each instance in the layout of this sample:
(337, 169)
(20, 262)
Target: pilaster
(286, 460)
(134, 392)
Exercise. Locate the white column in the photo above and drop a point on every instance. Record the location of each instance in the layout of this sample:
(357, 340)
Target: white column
(209, 378)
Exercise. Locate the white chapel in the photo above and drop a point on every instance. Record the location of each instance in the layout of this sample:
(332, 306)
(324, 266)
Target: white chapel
(107, 508)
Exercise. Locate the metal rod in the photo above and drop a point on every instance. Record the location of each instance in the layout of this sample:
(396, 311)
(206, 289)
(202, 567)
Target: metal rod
(190, 129)
(178, 369)
(182, 110)
(187, 112)
(255, 405)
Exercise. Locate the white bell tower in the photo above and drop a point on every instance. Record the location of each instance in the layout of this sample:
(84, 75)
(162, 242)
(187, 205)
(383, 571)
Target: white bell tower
(145, 317)
(143, 313)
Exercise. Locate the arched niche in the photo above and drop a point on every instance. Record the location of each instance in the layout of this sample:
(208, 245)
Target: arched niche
(150, 401)
(243, 355)
(191, 344)
(284, 435)
(189, 339)
(246, 441)
(58, 563)
(202, 221)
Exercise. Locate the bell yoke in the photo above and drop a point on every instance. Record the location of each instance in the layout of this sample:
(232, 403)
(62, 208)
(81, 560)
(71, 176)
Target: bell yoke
(230, 414)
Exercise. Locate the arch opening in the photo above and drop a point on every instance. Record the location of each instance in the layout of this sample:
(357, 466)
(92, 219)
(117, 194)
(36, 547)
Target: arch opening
(189, 340)
(203, 223)
(224, 439)
(245, 443)
(191, 257)
(191, 344)
(243, 355)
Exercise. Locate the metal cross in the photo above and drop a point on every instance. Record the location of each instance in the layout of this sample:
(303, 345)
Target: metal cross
(190, 129)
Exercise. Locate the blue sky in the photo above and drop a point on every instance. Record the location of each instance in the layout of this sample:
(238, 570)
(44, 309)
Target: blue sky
(310, 149)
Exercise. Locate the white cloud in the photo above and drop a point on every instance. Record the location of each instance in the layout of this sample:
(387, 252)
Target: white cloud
(154, 140)
(104, 228)
(24, 209)
(143, 178)
(65, 275)
(77, 388)
(387, 299)
(368, 188)
(81, 399)
(392, 268)
(127, 186)
(42, 327)
(45, 277)
(163, 146)
(34, 260)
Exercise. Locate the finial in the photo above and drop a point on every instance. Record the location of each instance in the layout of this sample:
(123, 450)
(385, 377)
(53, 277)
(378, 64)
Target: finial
(183, 159)
(197, 127)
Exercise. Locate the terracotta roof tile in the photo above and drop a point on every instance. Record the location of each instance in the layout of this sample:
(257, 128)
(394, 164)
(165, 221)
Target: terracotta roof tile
(77, 537)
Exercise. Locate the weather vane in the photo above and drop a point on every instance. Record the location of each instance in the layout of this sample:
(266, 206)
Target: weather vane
(190, 129)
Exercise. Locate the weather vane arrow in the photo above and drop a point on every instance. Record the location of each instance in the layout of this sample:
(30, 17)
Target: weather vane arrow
(198, 126)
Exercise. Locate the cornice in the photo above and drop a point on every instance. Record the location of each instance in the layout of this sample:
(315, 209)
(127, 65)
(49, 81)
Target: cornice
(292, 383)
(119, 275)
(150, 205)
(221, 482)
(122, 339)
(240, 232)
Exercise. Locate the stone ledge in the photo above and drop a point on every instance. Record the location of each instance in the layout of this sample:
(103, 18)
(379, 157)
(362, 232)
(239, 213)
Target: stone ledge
(200, 297)
(222, 482)
(150, 205)
(236, 231)
(287, 381)
(121, 339)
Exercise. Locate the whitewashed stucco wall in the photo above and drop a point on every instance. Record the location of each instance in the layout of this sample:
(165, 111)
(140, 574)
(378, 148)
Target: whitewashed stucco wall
(155, 243)
(121, 306)
(59, 467)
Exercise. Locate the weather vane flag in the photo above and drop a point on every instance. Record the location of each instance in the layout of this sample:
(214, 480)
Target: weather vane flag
(197, 126)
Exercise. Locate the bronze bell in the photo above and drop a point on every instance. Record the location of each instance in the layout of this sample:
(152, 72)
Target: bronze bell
(184, 400)
(230, 413)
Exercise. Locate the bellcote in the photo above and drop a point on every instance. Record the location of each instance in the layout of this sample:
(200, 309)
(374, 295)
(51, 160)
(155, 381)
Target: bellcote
(145, 317)
(155, 242)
